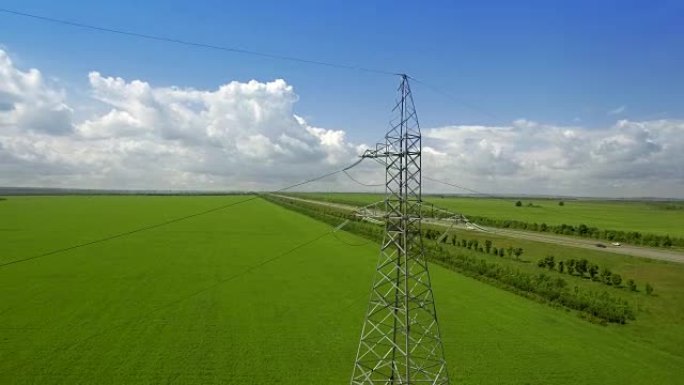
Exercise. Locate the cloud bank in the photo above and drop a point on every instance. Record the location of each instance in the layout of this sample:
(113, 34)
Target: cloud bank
(626, 159)
(243, 136)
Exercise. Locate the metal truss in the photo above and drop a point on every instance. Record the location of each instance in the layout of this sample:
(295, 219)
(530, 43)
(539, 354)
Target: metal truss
(400, 340)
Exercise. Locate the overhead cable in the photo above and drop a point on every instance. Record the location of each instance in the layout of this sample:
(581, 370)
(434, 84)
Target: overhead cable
(195, 44)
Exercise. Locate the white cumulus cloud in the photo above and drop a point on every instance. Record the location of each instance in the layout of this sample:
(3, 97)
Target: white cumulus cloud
(245, 135)
(27, 101)
(626, 159)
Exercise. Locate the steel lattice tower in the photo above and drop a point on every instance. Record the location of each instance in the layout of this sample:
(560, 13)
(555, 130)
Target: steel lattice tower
(400, 340)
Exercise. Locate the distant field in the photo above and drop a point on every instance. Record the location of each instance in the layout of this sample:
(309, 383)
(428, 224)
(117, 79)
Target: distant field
(647, 217)
(212, 300)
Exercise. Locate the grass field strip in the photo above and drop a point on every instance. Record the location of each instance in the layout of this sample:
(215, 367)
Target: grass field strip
(197, 292)
(175, 220)
(129, 232)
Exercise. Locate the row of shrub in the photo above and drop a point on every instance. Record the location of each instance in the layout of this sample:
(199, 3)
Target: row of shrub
(582, 230)
(486, 247)
(601, 306)
(581, 267)
(584, 268)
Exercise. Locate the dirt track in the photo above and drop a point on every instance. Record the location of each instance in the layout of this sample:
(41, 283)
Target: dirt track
(635, 251)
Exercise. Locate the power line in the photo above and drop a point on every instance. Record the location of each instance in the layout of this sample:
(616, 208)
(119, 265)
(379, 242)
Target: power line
(367, 242)
(457, 100)
(196, 44)
(171, 221)
(461, 187)
(361, 183)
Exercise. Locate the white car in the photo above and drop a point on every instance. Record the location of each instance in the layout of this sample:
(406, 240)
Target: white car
(616, 244)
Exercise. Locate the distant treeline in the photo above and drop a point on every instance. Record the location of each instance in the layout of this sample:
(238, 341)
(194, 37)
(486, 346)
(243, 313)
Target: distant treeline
(582, 230)
(596, 305)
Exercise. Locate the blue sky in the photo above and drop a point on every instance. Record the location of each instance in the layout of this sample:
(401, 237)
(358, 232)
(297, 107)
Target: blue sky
(559, 62)
(534, 97)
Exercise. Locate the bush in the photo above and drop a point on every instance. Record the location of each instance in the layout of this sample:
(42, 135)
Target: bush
(518, 251)
(571, 266)
(488, 245)
(616, 279)
(581, 266)
(631, 285)
(606, 276)
(649, 289)
(518, 204)
(593, 270)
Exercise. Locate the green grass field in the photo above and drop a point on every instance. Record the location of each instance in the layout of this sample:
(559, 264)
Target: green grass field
(214, 300)
(660, 218)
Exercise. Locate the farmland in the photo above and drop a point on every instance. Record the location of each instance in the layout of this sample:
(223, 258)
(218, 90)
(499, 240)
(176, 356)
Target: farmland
(257, 294)
(661, 218)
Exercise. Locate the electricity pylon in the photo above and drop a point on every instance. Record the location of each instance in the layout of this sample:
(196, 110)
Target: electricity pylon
(400, 340)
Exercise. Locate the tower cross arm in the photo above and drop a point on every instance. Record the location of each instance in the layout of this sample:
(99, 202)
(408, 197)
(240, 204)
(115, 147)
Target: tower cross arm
(381, 151)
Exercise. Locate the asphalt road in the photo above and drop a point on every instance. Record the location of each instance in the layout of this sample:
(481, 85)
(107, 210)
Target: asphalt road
(635, 251)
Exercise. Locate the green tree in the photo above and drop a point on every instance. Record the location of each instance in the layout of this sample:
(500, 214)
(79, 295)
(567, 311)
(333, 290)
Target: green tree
(518, 204)
(561, 266)
(561, 203)
(606, 275)
(509, 251)
(581, 266)
(488, 245)
(631, 285)
(571, 266)
(550, 262)
(501, 252)
(593, 270)
(541, 262)
(649, 289)
(571, 269)
(616, 279)
(517, 252)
